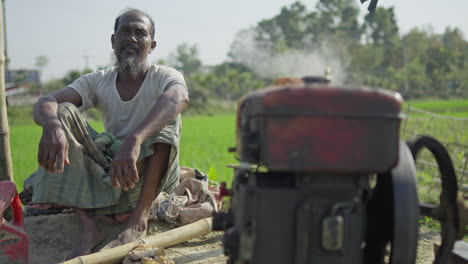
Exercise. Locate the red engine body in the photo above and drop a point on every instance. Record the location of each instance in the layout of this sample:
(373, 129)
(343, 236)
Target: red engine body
(14, 242)
(319, 128)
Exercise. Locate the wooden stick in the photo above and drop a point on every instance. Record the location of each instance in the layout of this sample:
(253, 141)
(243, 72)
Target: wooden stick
(166, 239)
(6, 169)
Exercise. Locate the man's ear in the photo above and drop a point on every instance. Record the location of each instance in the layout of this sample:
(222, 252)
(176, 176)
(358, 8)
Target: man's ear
(153, 44)
(112, 41)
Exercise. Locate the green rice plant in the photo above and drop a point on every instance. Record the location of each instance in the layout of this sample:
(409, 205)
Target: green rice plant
(212, 175)
(440, 105)
(449, 131)
(204, 145)
(24, 141)
(429, 223)
(20, 115)
(428, 189)
(205, 141)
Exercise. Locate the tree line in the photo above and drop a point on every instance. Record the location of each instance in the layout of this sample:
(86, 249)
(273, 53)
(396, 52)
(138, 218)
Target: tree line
(374, 52)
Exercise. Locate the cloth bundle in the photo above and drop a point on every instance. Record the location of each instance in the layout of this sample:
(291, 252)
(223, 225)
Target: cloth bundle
(190, 201)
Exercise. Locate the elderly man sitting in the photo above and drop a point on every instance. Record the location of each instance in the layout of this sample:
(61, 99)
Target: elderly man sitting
(122, 170)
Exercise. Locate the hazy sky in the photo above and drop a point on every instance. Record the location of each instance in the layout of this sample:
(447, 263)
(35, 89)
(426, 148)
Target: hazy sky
(71, 33)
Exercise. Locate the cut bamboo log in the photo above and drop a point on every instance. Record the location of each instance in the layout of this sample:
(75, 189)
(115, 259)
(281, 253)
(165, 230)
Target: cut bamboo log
(6, 169)
(166, 239)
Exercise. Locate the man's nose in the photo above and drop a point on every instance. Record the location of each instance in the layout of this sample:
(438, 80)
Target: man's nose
(132, 38)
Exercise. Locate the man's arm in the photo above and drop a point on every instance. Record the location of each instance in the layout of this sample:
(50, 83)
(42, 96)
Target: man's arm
(166, 109)
(53, 145)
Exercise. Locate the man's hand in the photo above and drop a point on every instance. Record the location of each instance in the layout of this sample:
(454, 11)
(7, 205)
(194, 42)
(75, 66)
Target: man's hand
(167, 107)
(53, 148)
(124, 173)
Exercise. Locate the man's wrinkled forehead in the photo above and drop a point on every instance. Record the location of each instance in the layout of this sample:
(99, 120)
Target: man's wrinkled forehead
(136, 15)
(134, 18)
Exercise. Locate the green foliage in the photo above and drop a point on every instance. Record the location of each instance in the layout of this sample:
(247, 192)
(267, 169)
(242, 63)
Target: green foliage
(20, 115)
(440, 106)
(73, 75)
(53, 85)
(454, 139)
(20, 78)
(225, 82)
(41, 61)
(212, 107)
(417, 64)
(204, 144)
(57, 84)
(371, 52)
(428, 223)
(212, 175)
(186, 59)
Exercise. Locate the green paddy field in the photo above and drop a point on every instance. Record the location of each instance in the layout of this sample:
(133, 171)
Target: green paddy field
(205, 139)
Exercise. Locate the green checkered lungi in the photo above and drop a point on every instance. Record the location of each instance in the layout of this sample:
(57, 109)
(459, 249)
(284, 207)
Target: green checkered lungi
(86, 183)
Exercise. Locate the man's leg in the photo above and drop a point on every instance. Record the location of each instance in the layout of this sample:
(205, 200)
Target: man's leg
(59, 189)
(89, 234)
(155, 169)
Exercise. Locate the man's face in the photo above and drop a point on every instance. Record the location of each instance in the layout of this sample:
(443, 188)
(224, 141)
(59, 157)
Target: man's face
(132, 42)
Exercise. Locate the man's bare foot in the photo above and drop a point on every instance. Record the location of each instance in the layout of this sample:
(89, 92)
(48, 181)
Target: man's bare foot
(134, 230)
(89, 234)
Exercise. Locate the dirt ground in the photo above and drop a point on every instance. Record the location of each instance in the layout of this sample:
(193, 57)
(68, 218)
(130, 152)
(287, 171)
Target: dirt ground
(425, 254)
(204, 250)
(53, 237)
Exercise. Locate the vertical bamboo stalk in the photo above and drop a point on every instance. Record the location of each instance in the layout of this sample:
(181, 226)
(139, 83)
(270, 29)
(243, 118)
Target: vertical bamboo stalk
(6, 169)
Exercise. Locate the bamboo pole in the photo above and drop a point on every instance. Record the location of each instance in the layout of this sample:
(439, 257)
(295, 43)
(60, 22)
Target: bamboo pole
(172, 237)
(6, 169)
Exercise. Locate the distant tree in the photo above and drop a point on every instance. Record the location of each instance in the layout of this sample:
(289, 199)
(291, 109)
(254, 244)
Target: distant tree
(161, 62)
(186, 59)
(20, 77)
(286, 30)
(381, 30)
(56, 84)
(71, 76)
(233, 80)
(53, 85)
(336, 19)
(332, 30)
(41, 62)
(226, 81)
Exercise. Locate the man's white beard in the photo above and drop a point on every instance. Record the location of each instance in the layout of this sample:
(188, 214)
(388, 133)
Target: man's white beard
(128, 65)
